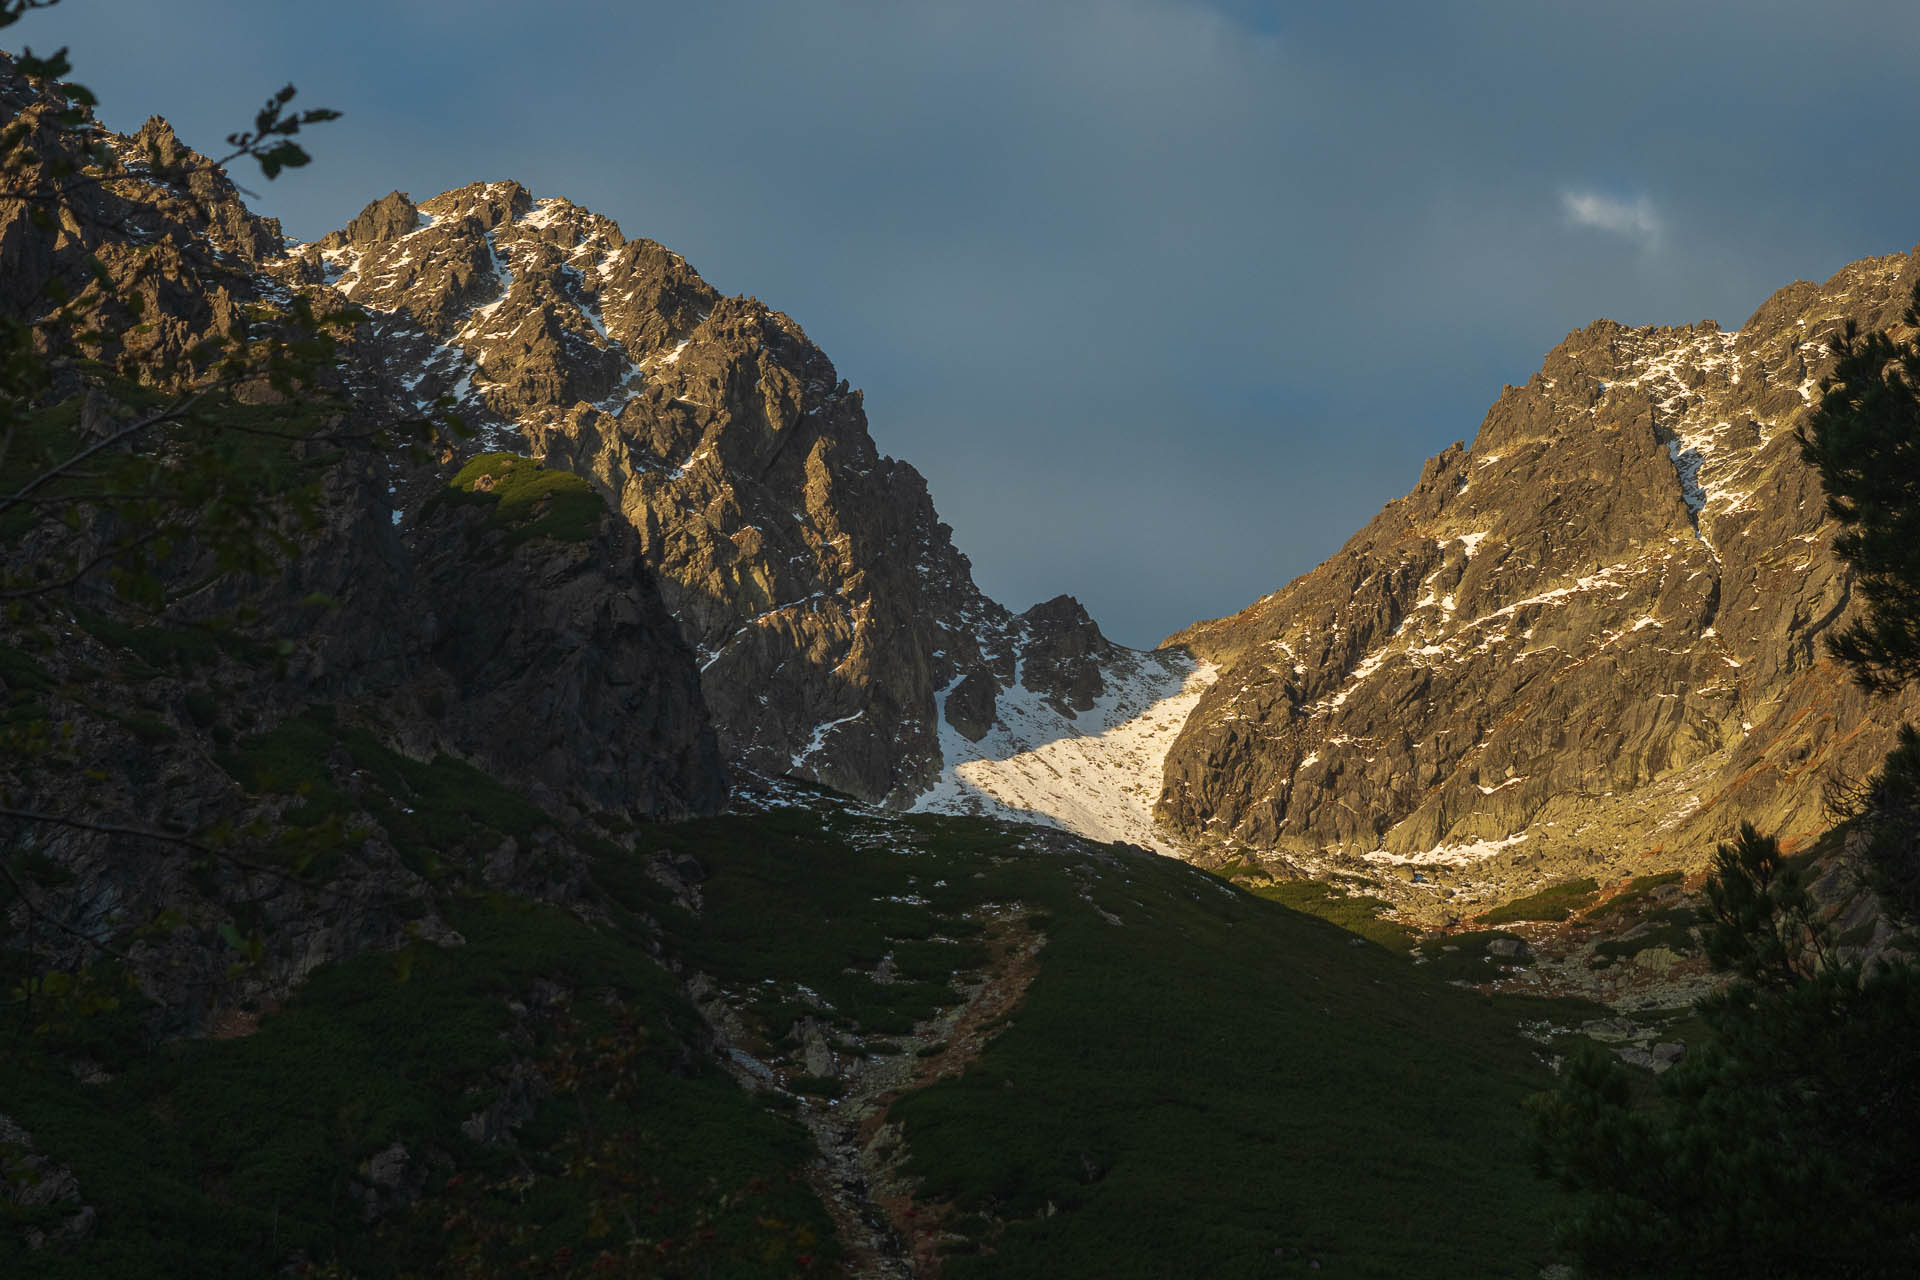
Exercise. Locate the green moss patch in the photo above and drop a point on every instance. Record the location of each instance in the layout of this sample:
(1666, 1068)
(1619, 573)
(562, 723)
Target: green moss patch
(797, 908)
(1213, 1083)
(1672, 929)
(290, 759)
(38, 440)
(429, 808)
(1464, 957)
(160, 648)
(1555, 902)
(1637, 896)
(528, 499)
(22, 675)
(1198, 1081)
(1220, 1085)
(1358, 914)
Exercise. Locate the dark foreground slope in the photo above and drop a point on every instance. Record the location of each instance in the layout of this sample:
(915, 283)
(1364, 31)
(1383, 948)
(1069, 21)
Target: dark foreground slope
(813, 1041)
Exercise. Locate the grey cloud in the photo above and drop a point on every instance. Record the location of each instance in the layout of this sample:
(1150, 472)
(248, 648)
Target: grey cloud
(1634, 219)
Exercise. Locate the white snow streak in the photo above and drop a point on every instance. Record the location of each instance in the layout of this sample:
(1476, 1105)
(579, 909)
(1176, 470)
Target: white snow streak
(1453, 855)
(820, 735)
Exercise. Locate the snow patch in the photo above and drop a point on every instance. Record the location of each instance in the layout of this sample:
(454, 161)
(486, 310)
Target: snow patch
(502, 273)
(1452, 855)
(1471, 541)
(546, 211)
(1687, 462)
(1368, 665)
(679, 472)
(1097, 774)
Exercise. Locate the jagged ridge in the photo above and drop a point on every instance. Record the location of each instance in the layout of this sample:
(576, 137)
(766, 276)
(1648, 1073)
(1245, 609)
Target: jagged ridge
(811, 574)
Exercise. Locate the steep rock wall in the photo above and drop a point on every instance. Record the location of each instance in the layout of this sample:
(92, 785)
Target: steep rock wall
(1592, 638)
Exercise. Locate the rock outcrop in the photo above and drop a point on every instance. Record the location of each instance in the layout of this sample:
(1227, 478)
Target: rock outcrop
(1594, 637)
(547, 661)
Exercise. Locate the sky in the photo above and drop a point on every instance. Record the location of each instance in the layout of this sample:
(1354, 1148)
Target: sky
(1165, 299)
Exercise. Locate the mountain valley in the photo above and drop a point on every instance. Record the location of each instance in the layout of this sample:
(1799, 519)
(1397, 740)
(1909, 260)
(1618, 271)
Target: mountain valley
(1587, 644)
(580, 815)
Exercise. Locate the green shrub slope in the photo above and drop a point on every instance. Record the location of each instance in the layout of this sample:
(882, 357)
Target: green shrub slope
(1199, 1081)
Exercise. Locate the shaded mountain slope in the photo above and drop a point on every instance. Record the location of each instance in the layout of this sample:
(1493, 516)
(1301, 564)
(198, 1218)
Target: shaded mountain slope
(538, 643)
(292, 750)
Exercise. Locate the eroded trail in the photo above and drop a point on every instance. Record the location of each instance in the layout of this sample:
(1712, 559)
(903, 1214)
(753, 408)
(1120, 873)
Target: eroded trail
(955, 1041)
(860, 1173)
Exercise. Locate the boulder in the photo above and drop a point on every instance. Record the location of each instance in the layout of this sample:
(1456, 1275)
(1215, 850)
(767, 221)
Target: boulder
(1510, 949)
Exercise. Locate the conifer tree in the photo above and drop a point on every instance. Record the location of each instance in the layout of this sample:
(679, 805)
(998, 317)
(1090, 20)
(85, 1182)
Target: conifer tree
(1782, 1146)
(1865, 440)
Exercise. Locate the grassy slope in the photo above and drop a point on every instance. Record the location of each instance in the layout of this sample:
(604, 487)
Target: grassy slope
(527, 498)
(1555, 902)
(1219, 1078)
(1214, 1079)
(1216, 1085)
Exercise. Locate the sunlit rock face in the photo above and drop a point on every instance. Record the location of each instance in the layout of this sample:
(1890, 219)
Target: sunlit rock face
(1594, 637)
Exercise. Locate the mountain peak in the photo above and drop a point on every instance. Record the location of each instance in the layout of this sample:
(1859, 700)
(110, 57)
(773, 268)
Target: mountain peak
(391, 216)
(490, 204)
(811, 575)
(1597, 632)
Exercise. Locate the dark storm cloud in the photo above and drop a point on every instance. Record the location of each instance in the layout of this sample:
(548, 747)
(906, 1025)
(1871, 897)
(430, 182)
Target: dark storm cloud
(1166, 299)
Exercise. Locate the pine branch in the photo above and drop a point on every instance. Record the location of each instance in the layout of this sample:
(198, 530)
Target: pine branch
(40, 913)
(172, 413)
(184, 842)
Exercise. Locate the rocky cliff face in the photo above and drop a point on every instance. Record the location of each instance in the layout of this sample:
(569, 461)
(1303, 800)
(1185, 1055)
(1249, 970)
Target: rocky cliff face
(547, 660)
(320, 745)
(834, 621)
(1592, 638)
